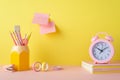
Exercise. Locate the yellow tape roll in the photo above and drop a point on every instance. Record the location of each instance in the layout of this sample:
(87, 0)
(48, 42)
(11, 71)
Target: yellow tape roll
(44, 66)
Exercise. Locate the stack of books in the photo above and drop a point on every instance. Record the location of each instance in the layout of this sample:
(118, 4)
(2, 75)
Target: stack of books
(113, 67)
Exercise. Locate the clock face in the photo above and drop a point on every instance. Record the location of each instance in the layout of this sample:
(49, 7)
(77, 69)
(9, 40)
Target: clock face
(101, 51)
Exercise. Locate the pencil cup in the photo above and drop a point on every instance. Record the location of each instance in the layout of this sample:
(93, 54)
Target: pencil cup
(20, 58)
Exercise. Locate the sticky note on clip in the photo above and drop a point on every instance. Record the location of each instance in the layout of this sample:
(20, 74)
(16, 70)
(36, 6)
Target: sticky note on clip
(49, 28)
(42, 19)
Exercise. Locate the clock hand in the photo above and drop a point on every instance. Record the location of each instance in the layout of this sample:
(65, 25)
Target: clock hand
(104, 48)
(98, 49)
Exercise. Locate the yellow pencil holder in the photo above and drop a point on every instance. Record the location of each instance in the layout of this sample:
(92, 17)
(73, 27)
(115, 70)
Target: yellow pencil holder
(20, 58)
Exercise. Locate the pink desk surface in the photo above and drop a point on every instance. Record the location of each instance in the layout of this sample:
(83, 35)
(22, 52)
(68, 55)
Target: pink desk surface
(69, 73)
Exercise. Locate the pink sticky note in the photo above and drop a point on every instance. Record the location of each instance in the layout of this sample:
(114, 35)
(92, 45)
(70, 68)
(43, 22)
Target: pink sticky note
(41, 19)
(49, 28)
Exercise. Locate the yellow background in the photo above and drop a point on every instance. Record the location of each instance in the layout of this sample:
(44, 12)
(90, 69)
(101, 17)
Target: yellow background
(77, 21)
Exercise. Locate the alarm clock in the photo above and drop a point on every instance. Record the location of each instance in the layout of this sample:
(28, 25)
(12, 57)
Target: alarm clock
(101, 49)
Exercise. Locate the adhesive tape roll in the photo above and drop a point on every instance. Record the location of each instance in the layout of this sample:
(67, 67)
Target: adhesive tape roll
(37, 66)
(44, 66)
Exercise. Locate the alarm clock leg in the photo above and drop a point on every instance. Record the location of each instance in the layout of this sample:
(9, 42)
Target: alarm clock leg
(95, 62)
(108, 62)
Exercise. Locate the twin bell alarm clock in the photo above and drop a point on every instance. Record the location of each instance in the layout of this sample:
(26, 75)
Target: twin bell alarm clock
(101, 50)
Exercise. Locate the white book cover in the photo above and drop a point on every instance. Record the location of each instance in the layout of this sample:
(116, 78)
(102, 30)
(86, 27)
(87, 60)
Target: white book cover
(101, 68)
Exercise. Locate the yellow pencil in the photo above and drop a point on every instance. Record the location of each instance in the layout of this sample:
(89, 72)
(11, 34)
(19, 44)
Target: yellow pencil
(29, 36)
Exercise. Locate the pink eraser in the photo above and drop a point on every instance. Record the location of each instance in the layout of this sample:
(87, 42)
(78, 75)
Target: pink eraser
(57, 68)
